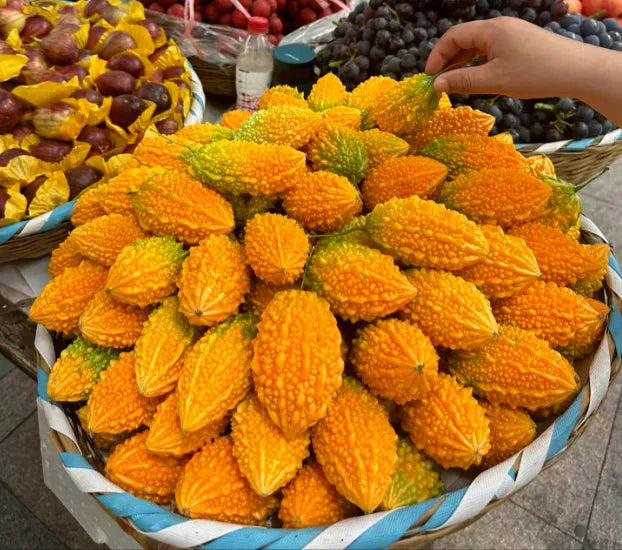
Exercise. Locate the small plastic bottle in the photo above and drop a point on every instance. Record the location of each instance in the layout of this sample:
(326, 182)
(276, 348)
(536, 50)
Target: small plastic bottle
(253, 69)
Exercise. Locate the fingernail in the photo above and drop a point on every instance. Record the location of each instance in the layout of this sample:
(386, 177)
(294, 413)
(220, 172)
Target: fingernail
(441, 84)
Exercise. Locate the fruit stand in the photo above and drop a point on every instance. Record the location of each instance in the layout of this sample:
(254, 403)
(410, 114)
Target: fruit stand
(356, 318)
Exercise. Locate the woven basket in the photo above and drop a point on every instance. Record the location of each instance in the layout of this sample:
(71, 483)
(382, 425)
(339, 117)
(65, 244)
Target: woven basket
(412, 526)
(40, 235)
(216, 79)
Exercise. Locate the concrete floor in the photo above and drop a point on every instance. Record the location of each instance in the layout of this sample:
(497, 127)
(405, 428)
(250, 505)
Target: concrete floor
(575, 504)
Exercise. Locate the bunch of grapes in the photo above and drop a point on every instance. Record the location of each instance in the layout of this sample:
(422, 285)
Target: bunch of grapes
(540, 12)
(606, 33)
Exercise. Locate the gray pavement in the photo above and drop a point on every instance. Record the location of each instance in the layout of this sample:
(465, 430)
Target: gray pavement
(575, 504)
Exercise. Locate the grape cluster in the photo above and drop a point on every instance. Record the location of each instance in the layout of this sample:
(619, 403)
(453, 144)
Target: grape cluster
(540, 12)
(606, 33)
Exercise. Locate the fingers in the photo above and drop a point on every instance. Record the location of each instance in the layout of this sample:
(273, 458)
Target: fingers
(468, 36)
(470, 80)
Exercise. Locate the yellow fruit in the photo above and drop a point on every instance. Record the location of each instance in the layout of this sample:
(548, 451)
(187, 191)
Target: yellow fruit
(365, 95)
(343, 116)
(262, 293)
(121, 189)
(164, 151)
(64, 255)
(327, 92)
(89, 205)
(281, 95)
(381, 146)
(234, 119)
(203, 133)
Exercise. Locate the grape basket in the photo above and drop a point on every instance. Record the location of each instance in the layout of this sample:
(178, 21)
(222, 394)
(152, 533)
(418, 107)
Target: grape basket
(40, 235)
(467, 499)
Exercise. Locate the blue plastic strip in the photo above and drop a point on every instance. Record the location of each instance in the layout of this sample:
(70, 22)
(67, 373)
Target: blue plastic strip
(7, 232)
(297, 538)
(563, 426)
(246, 538)
(613, 263)
(615, 328)
(146, 515)
(75, 460)
(42, 384)
(445, 510)
(57, 216)
(579, 144)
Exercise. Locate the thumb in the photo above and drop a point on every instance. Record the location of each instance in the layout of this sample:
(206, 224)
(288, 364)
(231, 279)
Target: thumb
(468, 80)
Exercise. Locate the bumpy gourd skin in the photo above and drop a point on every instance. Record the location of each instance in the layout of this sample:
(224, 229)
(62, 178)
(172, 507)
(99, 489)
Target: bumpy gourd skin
(338, 149)
(212, 487)
(365, 95)
(276, 248)
(214, 279)
(588, 286)
(234, 119)
(356, 446)
(64, 298)
(104, 442)
(262, 293)
(238, 167)
(510, 431)
(267, 459)
(448, 309)
(347, 234)
(283, 125)
(322, 201)
(142, 473)
(407, 106)
(110, 323)
(115, 406)
(64, 255)
(280, 95)
(463, 154)
(160, 349)
(555, 314)
(310, 500)
(395, 359)
(145, 272)
(564, 206)
(449, 425)
(216, 374)
(164, 151)
(327, 92)
(101, 239)
(167, 438)
(423, 233)
(402, 177)
(246, 206)
(341, 115)
(174, 204)
(381, 146)
(76, 371)
(120, 190)
(297, 363)
(360, 283)
(517, 369)
(416, 478)
(498, 196)
(561, 259)
(203, 133)
(89, 205)
(509, 268)
(444, 122)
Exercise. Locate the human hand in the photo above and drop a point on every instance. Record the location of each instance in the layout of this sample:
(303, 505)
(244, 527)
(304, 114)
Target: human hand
(520, 60)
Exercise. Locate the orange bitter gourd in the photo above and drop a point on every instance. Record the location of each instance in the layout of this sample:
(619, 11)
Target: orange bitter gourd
(75, 372)
(498, 196)
(309, 500)
(338, 149)
(167, 438)
(448, 425)
(356, 446)
(516, 368)
(297, 363)
(103, 238)
(276, 248)
(445, 122)
(463, 154)
(107, 322)
(342, 115)
(366, 94)
(104, 442)
(238, 167)
(406, 106)
(262, 293)
(509, 268)
(402, 177)
(419, 232)
(121, 189)
(233, 119)
(142, 473)
(203, 133)
(381, 146)
(160, 348)
(360, 283)
(510, 431)
(212, 487)
(64, 298)
(347, 234)
(214, 279)
(115, 405)
(280, 95)
(322, 201)
(328, 91)
(588, 286)
(450, 310)
(177, 205)
(555, 314)
(89, 205)
(564, 207)
(416, 478)
(164, 151)
(541, 166)
(246, 206)
(216, 374)
(561, 259)
(283, 125)
(395, 359)
(64, 255)
(145, 272)
(267, 459)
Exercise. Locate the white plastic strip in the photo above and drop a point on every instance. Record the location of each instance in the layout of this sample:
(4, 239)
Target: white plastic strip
(589, 225)
(508, 483)
(547, 148)
(34, 225)
(340, 535)
(91, 481)
(533, 458)
(610, 137)
(45, 346)
(193, 533)
(614, 282)
(57, 420)
(600, 372)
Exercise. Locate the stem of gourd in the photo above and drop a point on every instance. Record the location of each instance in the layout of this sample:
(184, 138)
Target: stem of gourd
(337, 234)
(165, 138)
(593, 178)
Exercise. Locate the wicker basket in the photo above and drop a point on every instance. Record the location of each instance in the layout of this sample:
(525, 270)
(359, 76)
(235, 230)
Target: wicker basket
(216, 79)
(410, 527)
